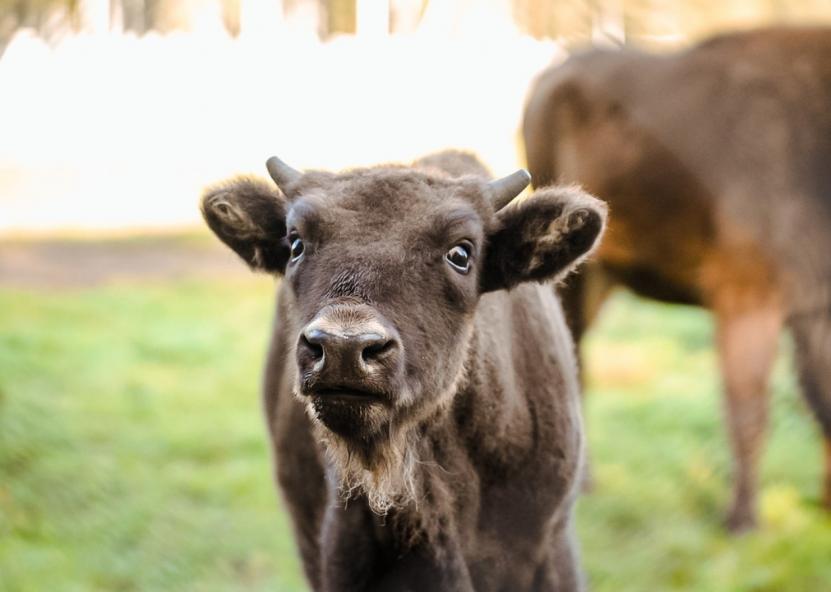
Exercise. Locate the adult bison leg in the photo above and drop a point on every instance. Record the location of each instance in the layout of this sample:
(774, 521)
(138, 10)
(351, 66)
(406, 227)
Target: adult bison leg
(812, 336)
(582, 296)
(747, 342)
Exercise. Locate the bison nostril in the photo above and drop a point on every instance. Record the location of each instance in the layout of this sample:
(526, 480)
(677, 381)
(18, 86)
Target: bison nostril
(314, 349)
(377, 350)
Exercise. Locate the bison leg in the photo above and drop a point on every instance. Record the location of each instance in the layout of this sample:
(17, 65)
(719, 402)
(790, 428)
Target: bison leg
(561, 574)
(747, 343)
(582, 296)
(350, 555)
(812, 336)
(301, 478)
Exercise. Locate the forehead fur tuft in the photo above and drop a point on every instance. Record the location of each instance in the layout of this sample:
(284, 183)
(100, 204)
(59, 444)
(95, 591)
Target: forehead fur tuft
(376, 187)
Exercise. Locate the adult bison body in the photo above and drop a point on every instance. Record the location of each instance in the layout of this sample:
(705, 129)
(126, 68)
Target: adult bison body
(716, 164)
(421, 390)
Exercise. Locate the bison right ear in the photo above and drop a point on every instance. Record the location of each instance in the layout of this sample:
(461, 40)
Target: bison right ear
(249, 215)
(542, 237)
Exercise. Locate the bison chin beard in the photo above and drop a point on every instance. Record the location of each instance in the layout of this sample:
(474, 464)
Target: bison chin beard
(384, 467)
(384, 471)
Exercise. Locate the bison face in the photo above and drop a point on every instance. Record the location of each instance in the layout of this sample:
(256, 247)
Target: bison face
(383, 270)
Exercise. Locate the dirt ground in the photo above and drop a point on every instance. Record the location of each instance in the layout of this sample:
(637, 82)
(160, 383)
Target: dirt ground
(78, 263)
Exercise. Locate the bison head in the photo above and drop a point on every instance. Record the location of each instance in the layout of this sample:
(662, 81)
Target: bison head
(383, 269)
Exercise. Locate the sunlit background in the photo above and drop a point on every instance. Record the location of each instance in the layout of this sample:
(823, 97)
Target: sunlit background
(115, 113)
(132, 451)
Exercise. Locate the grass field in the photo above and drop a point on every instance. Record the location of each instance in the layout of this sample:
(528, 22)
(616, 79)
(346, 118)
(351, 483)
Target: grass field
(133, 456)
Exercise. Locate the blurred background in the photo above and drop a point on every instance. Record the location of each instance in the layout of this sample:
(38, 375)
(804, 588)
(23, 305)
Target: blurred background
(133, 454)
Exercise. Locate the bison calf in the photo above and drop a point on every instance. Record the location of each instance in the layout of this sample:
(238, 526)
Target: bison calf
(420, 390)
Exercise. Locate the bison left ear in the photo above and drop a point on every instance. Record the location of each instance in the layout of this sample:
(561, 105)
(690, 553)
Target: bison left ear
(249, 215)
(542, 237)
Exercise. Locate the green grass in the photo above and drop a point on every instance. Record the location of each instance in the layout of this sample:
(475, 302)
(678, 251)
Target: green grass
(662, 466)
(133, 454)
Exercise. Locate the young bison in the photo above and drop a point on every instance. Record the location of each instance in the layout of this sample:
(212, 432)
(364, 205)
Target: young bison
(421, 390)
(715, 163)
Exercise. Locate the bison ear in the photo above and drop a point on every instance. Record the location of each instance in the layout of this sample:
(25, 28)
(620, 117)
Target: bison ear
(542, 237)
(249, 216)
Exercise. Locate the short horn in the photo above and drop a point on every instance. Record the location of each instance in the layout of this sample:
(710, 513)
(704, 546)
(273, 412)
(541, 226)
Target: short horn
(282, 173)
(503, 190)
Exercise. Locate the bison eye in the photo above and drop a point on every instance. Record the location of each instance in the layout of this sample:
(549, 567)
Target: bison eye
(296, 246)
(459, 257)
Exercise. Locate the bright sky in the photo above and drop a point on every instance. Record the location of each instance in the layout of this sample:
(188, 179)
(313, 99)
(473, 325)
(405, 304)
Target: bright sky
(106, 131)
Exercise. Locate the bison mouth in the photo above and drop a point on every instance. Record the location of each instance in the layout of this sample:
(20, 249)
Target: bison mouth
(350, 413)
(346, 395)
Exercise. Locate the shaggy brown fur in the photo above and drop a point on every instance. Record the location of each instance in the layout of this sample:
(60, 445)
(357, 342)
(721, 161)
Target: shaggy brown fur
(441, 452)
(715, 163)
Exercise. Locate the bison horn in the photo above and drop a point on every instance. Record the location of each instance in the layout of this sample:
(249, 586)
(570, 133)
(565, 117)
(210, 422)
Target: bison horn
(503, 190)
(282, 173)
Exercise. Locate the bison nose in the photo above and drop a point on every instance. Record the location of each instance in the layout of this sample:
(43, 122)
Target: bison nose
(346, 352)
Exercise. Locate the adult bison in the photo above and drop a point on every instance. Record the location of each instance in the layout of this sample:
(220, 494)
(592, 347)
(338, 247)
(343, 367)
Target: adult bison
(716, 164)
(420, 391)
